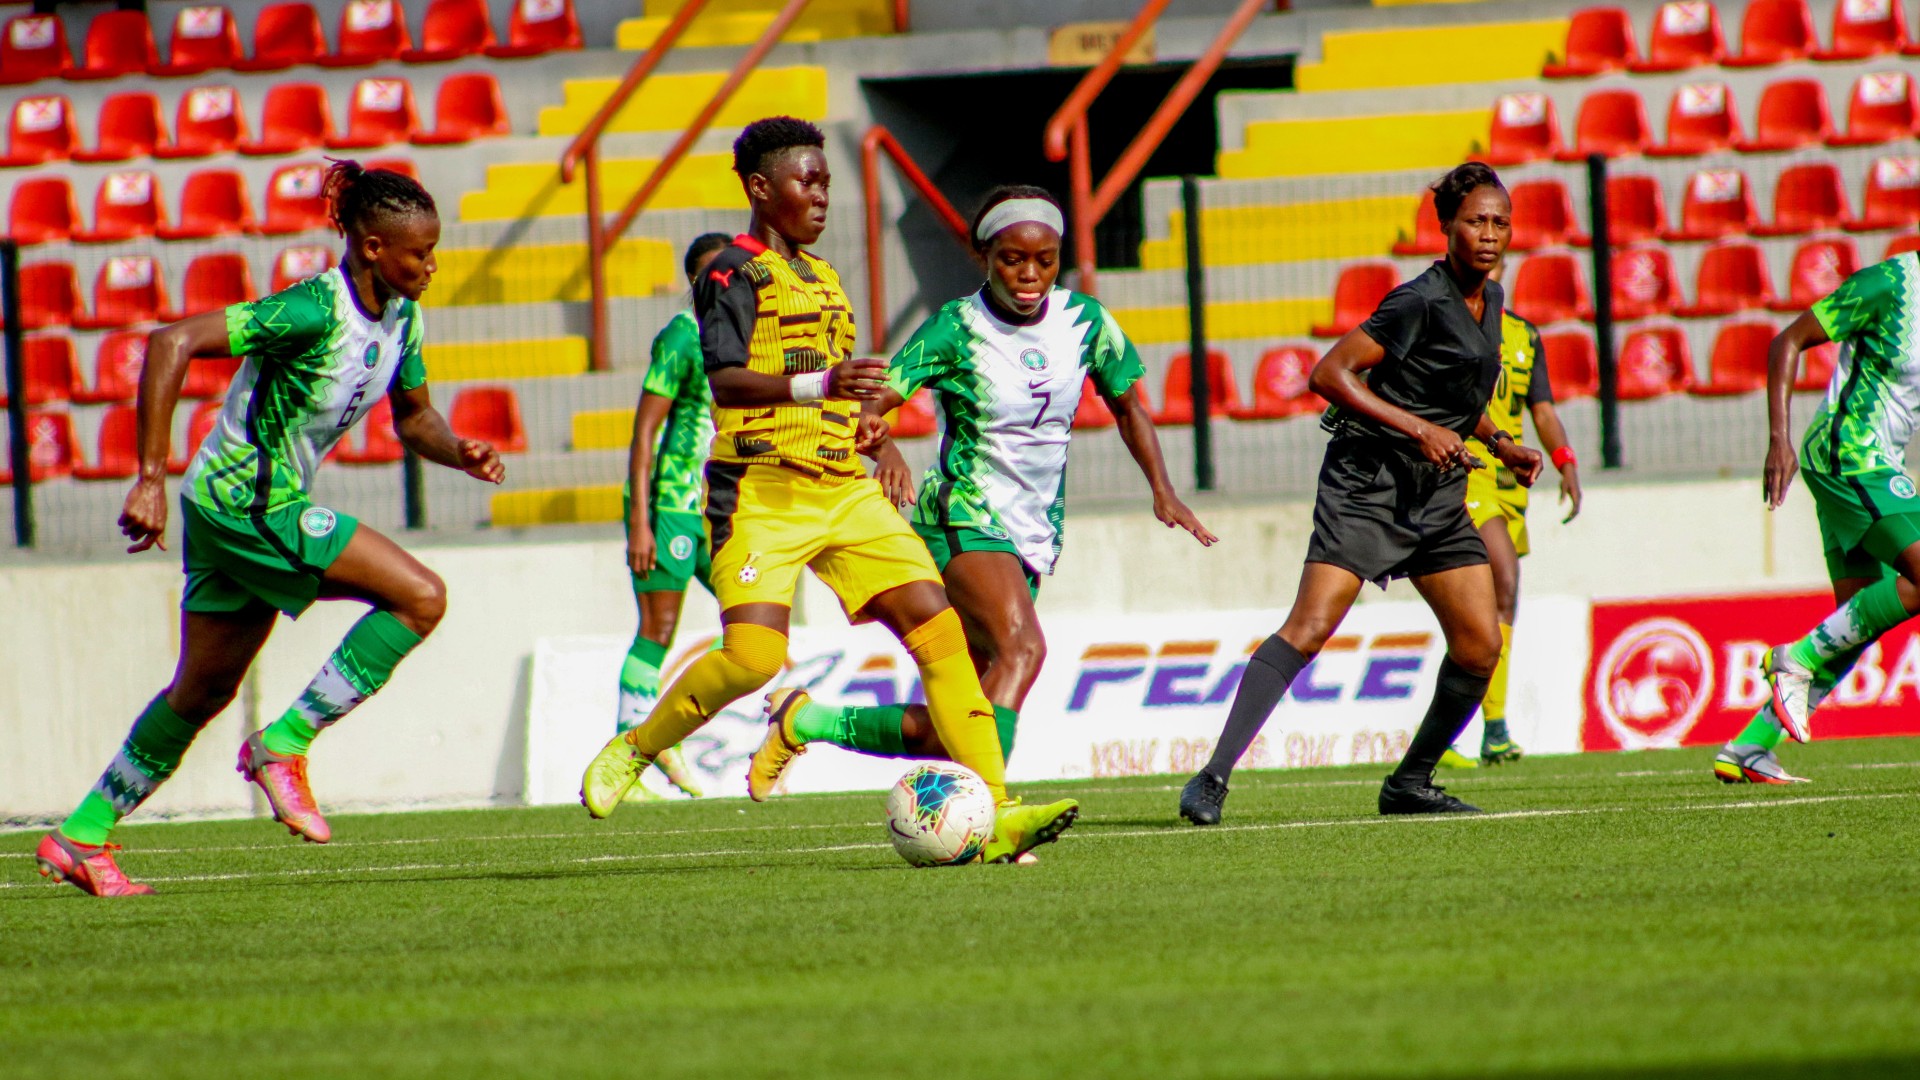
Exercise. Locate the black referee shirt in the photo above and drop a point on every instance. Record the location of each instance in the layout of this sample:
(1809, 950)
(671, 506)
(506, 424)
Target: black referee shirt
(1440, 365)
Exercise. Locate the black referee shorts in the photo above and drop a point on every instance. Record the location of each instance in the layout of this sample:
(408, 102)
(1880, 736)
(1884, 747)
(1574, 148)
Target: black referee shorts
(1383, 515)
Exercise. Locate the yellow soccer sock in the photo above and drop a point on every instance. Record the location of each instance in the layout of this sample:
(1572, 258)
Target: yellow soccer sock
(961, 714)
(1494, 707)
(748, 658)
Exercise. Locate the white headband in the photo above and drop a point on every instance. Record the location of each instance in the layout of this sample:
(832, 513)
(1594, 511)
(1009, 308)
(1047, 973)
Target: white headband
(1006, 215)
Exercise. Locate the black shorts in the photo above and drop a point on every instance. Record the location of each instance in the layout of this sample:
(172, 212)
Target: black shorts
(1384, 515)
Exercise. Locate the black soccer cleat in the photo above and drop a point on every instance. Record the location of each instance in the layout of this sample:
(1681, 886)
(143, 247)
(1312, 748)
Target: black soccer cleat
(1420, 798)
(1202, 799)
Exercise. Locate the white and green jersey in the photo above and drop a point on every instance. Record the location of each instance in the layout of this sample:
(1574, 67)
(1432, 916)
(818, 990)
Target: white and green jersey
(316, 361)
(1004, 397)
(1869, 413)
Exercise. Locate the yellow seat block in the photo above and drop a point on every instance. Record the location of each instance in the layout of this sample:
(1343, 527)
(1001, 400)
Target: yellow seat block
(732, 29)
(543, 358)
(533, 189)
(1431, 55)
(670, 102)
(873, 16)
(1296, 232)
(541, 273)
(1228, 320)
(1356, 144)
(603, 429)
(556, 506)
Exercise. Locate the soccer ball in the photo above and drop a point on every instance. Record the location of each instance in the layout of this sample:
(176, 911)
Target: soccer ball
(940, 814)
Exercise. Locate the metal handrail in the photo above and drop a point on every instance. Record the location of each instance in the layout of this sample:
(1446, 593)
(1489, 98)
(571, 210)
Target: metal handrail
(879, 140)
(1074, 110)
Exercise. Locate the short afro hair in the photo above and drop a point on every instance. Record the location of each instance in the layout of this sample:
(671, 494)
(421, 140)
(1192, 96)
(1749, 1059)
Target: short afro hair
(1461, 181)
(703, 245)
(764, 138)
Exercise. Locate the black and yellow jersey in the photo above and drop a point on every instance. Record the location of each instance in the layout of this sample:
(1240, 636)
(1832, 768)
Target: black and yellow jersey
(778, 316)
(1523, 380)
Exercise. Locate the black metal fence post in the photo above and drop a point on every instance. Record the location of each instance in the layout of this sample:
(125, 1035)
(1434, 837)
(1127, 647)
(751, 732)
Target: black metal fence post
(1197, 338)
(19, 452)
(1603, 312)
(414, 487)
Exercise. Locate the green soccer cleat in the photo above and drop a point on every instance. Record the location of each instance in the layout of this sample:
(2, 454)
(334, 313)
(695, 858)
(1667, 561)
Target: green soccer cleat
(612, 772)
(1018, 829)
(1454, 759)
(674, 764)
(1496, 745)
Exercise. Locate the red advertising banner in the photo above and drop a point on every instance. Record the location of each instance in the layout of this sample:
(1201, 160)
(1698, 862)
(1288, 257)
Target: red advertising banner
(1686, 672)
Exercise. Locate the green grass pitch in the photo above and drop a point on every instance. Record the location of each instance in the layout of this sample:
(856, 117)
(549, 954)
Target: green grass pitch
(1619, 915)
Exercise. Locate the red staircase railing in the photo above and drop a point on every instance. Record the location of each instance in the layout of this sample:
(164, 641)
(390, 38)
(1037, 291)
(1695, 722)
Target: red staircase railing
(879, 141)
(1067, 135)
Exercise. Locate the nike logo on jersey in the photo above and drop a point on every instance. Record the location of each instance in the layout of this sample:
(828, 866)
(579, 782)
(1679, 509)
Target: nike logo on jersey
(1038, 383)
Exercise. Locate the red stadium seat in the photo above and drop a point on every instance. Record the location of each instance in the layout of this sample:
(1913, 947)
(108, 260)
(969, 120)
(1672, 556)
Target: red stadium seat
(1893, 195)
(403, 166)
(208, 377)
(41, 131)
(49, 295)
(1550, 288)
(130, 127)
(1359, 290)
(118, 43)
(1599, 40)
(208, 122)
(46, 363)
(199, 426)
(1543, 215)
(1686, 34)
(491, 413)
(1819, 266)
(296, 199)
(1636, 209)
(212, 203)
(914, 419)
(1280, 386)
(1427, 238)
(1642, 282)
(1177, 393)
(370, 31)
(294, 117)
(1774, 32)
(127, 205)
(119, 454)
(1816, 368)
(284, 35)
(1739, 361)
(1793, 113)
(1654, 362)
(1880, 110)
(1525, 128)
(467, 107)
(1719, 202)
(1900, 245)
(382, 446)
(1573, 365)
(49, 446)
(213, 282)
(116, 368)
(1807, 198)
(538, 26)
(33, 47)
(1732, 278)
(296, 264)
(1700, 120)
(1092, 412)
(42, 210)
(204, 38)
(129, 289)
(1612, 123)
(453, 29)
(380, 114)
(1865, 28)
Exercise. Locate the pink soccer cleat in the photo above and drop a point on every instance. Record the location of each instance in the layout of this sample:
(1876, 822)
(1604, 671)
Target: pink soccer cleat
(284, 779)
(89, 868)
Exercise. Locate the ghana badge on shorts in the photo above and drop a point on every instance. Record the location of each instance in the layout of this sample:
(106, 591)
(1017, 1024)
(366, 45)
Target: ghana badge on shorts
(749, 573)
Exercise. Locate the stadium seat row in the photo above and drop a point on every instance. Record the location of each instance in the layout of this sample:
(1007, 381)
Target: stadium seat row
(294, 117)
(131, 289)
(1686, 34)
(205, 39)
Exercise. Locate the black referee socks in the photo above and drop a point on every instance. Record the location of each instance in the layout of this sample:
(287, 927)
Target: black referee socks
(1455, 697)
(1269, 672)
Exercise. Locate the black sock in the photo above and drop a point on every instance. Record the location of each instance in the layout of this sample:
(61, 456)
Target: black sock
(1270, 671)
(1457, 694)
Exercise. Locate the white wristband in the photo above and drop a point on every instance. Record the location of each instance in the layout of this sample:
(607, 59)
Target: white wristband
(810, 387)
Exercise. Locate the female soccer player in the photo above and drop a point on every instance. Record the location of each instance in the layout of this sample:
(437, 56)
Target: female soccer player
(1392, 499)
(1006, 365)
(785, 490)
(666, 539)
(318, 354)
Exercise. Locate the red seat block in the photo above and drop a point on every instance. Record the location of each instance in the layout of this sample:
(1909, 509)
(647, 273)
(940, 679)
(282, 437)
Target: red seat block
(130, 127)
(453, 29)
(1636, 209)
(1358, 291)
(213, 202)
(1573, 365)
(1686, 34)
(491, 413)
(297, 264)
(208, 378)
(41, 130)
(1092, 412)
(49, 446)
(127, 205)
(1900, 245)
(116, 368)
(1280, 387)
(1177, 394)
(294, 117)
(1793, 113)
(119, 454)
(199, 426)
(1881, 109)
(46, 363)
(118, 43)
(284, 35)
(1549, 288)
(49, 295)
(1774, 32)
(42, 210)
(1428, 238)
(467, 107)
(1654, 362)
(914, 419)
(1524, 128)
(1739, 361)
(1642, 282)
(382, 446)
(1543, 216)
(213, 282)
(1864, 28)
(1700, 120)
(296, 199)
(1732, 278)
(1612, 123)
(1807, 198)
(1719, 202)
(209, 121)
(204, 38)
(538, 26)
(403, 166)
(1819, 266)
(129, 289)
(1892, 199)
(1816, 368)
(370, 31)
(33, 47)
(381, 114)
(1599, 40)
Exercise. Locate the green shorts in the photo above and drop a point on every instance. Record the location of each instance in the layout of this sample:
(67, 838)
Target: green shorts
(680, 554)
(946, 541)
(276, 558)
(1866, 520)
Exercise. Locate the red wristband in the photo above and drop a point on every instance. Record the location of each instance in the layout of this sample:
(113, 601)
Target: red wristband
(1563, 457)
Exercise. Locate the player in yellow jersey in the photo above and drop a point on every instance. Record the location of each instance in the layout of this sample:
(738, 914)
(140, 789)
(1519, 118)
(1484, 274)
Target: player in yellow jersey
(1497, 501)
(785, 490)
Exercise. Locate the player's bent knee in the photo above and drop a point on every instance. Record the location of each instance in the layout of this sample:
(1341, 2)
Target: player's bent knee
(425, 603)
(1477, 652)
(758, 651)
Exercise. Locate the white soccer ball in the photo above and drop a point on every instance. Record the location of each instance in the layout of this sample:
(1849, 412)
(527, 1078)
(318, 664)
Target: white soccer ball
(940, 814)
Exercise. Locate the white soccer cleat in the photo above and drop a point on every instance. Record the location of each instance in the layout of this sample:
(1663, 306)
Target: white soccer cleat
(1743, 763)
(1792, 686)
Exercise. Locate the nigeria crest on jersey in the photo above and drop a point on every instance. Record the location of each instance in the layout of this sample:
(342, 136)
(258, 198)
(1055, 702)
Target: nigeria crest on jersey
(317, 522)
(1033, 360)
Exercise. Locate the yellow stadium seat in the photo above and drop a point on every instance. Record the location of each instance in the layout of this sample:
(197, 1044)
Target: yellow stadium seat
(556, 506)
(603, 429)
(533, 189)
(1430, 55)
(1296, 232)
(1356, 144)
(670, 102)
(1227, 320)
(543, 358)
(543, 273)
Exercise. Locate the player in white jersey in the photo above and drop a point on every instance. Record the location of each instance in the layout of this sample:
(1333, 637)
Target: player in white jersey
(318, 355)
(1007, 366)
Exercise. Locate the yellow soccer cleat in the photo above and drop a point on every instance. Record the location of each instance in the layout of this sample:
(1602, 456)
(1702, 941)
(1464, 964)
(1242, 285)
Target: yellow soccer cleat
(614, 770)
(1454, 759)
(1019, 829)
(780, 747)
(674, 765)
(641, 793)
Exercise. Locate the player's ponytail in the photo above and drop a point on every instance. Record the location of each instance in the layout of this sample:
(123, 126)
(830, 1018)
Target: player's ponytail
(357, 195)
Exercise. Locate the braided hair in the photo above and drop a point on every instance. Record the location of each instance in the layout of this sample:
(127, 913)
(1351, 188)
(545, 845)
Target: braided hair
(357, 197)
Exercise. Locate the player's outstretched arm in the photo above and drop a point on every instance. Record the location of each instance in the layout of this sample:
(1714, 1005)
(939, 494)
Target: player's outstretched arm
(144, 516)
(1783, 362)
(737, 387)
(642, 555)
(425, 432)
(1143, 442)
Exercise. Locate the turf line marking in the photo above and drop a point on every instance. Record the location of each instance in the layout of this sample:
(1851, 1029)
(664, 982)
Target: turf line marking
(412, 840)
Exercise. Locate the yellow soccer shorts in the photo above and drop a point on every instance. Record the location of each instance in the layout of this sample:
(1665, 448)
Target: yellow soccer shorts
(766, 522)
(1494, 493)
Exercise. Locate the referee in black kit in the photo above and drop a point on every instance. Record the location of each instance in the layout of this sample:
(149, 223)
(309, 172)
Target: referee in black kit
(1392, 499)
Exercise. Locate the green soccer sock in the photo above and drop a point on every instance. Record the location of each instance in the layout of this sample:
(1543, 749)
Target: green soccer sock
(151, 753)
(1006, 720)
(356, 671)
(639, 682)
(1855, 624)
(870, 729)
